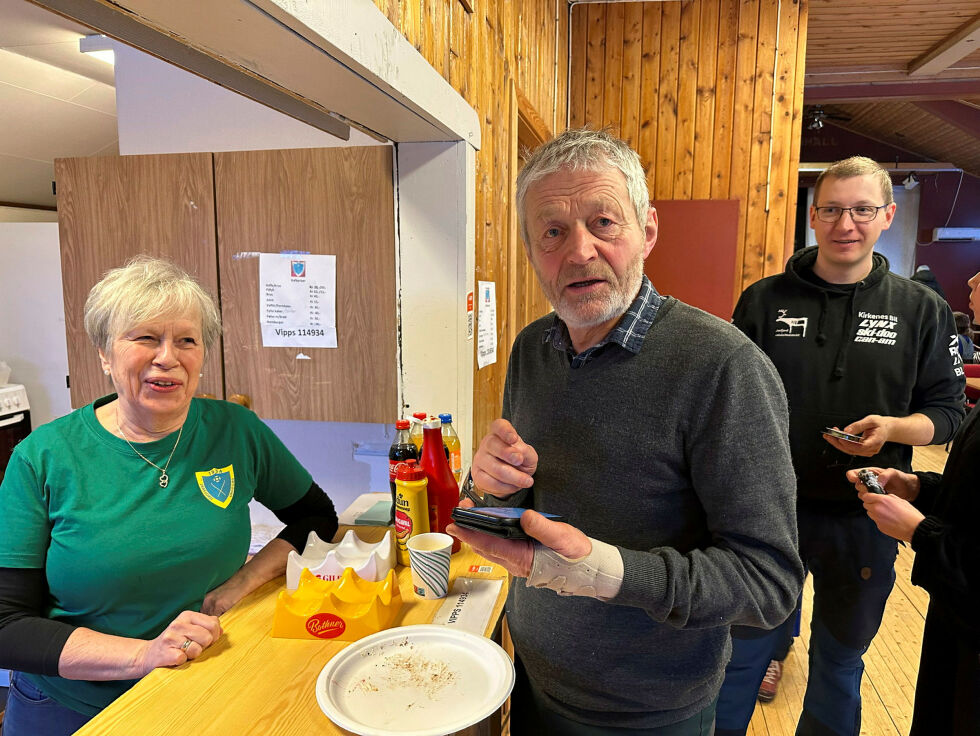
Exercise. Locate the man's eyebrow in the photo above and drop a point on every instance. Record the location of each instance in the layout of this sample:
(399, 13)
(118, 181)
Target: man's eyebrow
(609, 204)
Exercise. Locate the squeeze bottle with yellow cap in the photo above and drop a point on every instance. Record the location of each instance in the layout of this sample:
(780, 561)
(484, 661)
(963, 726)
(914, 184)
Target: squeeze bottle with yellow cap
(411, 506)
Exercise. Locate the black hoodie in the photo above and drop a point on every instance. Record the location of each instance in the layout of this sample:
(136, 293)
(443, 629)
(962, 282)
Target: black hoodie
(885, 345)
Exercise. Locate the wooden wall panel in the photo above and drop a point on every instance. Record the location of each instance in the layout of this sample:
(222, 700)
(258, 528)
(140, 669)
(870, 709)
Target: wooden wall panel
(112, 207)
(499, 53)
(719, 94)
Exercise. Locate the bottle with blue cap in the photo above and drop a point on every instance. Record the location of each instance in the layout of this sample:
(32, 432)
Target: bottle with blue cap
(451, 440)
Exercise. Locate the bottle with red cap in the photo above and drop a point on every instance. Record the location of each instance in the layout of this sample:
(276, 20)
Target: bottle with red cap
(442, 490)
(416, 433)
(402, 449)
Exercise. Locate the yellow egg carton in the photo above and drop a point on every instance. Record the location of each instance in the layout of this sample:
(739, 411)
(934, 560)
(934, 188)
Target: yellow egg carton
(347, 609)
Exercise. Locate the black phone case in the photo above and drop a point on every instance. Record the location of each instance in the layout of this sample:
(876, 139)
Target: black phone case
(506, 529)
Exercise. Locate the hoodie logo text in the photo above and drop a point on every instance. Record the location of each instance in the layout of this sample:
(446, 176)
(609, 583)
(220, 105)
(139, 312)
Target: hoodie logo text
(880, 329)
(792, 326)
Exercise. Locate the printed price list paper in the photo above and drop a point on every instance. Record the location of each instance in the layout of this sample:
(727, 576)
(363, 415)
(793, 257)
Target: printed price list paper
(298, 300)
(486, 323)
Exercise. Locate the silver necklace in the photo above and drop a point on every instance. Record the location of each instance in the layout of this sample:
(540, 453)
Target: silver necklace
(164, 478)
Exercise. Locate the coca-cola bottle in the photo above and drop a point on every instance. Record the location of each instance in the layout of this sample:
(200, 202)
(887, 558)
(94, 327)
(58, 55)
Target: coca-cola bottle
(402, 449)
(442, 489)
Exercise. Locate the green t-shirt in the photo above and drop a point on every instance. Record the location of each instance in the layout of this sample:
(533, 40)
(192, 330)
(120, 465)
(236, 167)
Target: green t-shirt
(121, 554)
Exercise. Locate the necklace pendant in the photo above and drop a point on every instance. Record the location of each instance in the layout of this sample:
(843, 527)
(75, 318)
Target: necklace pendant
(164, 479)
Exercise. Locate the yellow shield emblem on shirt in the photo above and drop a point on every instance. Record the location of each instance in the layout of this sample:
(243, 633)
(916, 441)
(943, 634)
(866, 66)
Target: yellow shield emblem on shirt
(217, 485)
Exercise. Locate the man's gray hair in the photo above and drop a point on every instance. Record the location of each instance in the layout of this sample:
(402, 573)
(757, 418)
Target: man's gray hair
(583, 149)
(143, 290)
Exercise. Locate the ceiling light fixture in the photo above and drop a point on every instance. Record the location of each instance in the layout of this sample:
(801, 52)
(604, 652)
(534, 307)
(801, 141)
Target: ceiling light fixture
(911, 181)
(98, 46)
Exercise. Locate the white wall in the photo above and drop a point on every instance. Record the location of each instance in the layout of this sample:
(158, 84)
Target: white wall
(163, 109)
(32, 316)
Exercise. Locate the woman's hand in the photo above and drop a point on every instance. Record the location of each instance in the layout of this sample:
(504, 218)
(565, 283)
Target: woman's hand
(893, 512)
(226, 595)
(170, 648)
(893, 516)
(893, 481)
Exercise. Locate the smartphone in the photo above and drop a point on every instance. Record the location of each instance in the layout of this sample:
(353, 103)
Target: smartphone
(500, 521)
(842, 435)
(870, 481)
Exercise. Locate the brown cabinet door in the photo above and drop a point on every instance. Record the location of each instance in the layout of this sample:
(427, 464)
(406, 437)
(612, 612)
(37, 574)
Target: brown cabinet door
(111, 208)
(323, 201)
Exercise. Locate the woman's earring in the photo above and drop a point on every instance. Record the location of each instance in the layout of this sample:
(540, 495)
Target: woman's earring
(106, 371)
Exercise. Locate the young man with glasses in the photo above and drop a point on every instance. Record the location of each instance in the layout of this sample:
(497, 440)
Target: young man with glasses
(870, 353)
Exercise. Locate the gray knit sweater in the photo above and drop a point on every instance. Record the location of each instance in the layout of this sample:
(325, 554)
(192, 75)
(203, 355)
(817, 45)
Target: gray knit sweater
(679, 456)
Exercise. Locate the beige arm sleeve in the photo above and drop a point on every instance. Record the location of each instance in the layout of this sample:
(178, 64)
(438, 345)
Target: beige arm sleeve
(597, 575)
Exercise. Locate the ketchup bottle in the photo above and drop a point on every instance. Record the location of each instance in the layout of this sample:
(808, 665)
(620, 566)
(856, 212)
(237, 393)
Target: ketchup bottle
(442, 489)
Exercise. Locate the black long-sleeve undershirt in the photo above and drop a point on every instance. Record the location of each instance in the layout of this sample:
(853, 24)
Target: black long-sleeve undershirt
(31, 642)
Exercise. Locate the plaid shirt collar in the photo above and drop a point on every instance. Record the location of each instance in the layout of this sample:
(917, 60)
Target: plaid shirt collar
(628, 333)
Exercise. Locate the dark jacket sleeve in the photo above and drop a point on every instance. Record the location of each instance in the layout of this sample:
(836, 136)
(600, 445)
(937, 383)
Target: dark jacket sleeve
(314, 512)
(938, 391)
(29, 642)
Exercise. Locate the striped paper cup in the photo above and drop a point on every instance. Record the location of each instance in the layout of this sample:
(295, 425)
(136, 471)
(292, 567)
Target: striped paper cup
(429, 555)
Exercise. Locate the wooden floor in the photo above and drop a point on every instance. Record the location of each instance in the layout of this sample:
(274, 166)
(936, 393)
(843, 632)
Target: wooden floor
(891, 663)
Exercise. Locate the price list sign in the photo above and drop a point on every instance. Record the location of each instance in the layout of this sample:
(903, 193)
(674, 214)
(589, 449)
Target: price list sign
(298, 300)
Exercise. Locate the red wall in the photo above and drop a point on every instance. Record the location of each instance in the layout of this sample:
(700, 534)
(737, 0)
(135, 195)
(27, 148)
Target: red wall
(694, 258)
(952, 262)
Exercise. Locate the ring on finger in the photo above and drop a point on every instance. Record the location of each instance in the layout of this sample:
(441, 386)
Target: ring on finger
(187, 643)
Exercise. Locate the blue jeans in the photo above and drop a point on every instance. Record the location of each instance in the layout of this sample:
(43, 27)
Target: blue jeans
(853, 568)
(32, 713)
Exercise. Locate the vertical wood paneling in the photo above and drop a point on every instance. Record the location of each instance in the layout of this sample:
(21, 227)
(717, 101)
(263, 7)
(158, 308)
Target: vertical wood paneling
(782, 176)
(613, 68)
(649, 98)
(595, 66)
(687, 97)
(719, 97)
(576, 90)
(670, 29)
(704, 121)
(632, 69)
(756, 205)
(742, 114)
(724, 99)
(796, 136)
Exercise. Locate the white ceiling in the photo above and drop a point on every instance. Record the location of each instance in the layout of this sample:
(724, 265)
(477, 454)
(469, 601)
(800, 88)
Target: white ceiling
(54, 101)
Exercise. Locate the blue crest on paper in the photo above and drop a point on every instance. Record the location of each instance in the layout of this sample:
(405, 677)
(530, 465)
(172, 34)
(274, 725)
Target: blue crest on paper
(298, 269)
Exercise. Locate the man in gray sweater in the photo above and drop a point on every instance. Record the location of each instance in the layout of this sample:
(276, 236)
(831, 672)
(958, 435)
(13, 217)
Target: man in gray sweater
(669, 463)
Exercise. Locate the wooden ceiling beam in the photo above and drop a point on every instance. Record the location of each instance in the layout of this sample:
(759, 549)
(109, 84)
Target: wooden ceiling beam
(947, 52)
(894, 91)
(964, 117)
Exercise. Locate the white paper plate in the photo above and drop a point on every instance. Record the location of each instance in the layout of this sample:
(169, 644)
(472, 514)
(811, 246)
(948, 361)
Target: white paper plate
(415, 680)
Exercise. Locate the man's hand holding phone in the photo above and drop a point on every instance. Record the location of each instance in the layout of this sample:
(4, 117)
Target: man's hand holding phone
(517, 555)
(863, 438)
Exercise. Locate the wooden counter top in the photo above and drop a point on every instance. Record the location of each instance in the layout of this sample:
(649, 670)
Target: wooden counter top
(250, 683)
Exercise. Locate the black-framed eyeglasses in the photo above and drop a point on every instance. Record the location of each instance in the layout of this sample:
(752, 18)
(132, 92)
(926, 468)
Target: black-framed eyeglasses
(861, 213)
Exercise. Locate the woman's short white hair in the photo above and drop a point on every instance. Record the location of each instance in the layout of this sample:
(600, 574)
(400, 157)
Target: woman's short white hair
(583, 149)
(143, 290)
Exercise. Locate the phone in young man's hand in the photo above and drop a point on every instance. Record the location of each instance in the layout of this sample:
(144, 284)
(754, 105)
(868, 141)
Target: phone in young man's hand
(841, 435)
